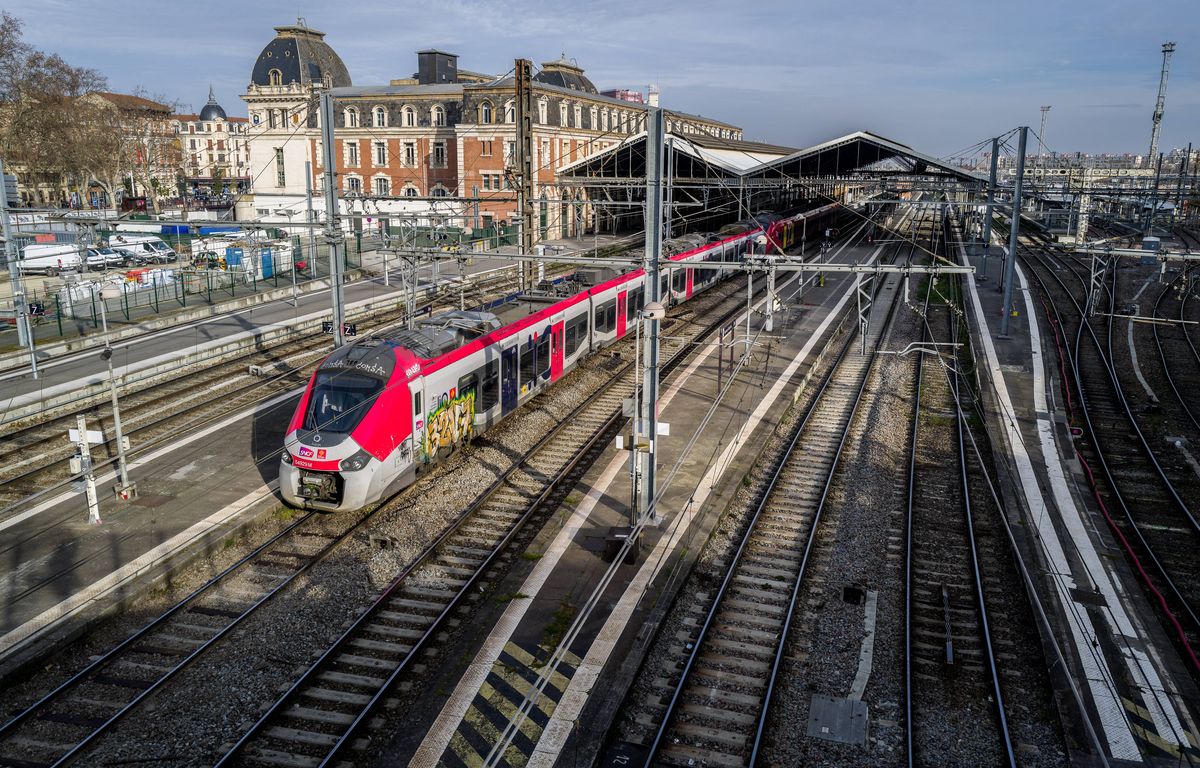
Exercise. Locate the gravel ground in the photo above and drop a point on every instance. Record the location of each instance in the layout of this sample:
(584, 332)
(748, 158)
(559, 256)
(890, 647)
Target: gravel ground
(701, 585)
(207, 705)
(858, 544)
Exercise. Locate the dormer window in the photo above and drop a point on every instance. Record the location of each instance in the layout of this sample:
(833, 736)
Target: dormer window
(485, 113)
(408, 117)
(437, 115)
(380, 115)
(275, 77)
(351, 117)
(510, 115)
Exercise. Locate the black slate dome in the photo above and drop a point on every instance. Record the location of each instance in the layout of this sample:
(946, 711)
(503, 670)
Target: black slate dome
(299, 54)
(565, 74)
(212, 110)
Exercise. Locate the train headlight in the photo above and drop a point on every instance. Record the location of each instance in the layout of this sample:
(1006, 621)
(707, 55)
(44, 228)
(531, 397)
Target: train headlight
(355, 462)
(286, 457)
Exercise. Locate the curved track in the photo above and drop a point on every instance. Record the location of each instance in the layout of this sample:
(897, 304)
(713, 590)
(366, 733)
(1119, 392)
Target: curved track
(1151, 518)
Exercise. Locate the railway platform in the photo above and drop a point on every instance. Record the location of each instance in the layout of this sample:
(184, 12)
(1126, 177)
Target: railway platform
(196, 491)
(1134, 698)
(569, 580)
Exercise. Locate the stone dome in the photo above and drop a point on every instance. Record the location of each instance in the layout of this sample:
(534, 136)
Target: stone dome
(565, 74)
(212, 110)
(300, 55)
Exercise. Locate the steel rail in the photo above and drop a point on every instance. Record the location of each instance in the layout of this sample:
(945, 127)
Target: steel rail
(777, 470)
(427, 555)
(1074, 367)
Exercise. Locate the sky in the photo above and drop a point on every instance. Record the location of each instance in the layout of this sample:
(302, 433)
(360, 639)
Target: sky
(938, 75)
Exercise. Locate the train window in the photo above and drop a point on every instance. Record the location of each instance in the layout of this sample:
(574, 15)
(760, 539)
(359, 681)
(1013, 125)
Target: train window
(542, 356)
(606, 317)
(663, 283)
(527, 361)
(339, 400)
(576, 334)
(490, 391)
(469, 384)
(417, 403)
(637, 300)
(679, 280)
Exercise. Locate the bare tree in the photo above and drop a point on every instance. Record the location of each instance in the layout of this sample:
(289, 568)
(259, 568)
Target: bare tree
(46, 129)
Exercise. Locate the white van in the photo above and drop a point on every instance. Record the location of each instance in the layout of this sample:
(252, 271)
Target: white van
(143, 249)
(51, 258)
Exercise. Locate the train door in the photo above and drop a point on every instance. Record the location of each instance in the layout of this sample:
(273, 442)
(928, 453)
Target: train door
(508, 380)
(416, 389)
(556, 350)
(622, 302)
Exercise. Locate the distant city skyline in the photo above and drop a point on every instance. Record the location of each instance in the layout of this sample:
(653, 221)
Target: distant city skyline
(925, 74)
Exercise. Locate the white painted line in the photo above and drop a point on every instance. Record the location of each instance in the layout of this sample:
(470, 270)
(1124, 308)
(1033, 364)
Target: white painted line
(554, 737)
(1073, 520)
(151, 457)
(1098, 677)
(443, 729)
(129, 572)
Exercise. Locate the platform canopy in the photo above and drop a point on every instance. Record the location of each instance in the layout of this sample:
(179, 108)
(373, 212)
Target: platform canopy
(699, 156)
(714, 180)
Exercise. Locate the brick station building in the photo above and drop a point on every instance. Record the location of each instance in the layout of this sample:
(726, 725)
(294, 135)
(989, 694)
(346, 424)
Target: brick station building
(437, 145)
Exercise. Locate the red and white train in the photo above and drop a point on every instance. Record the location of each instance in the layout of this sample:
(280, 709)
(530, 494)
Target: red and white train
(376, 412)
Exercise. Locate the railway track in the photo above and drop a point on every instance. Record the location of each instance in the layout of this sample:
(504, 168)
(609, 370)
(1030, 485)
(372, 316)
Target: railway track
(33, 457)
(713, 710)
(954, 702)
(327, 713)
(1147, 510)
(66, 721)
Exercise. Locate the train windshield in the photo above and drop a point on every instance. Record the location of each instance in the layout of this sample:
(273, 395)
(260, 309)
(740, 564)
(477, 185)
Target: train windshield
(339, 400)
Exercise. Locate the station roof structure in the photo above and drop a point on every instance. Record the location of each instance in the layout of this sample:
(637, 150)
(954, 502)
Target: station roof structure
(697, 156)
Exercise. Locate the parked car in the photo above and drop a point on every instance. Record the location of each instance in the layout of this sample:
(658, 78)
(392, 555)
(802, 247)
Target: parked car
(143, 249)
(50, 258)
(107, 257)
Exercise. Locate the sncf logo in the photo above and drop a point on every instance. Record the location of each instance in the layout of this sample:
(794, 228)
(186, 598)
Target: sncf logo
(306, 452)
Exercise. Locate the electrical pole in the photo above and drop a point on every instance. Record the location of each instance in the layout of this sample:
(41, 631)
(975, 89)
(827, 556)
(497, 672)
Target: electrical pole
(1179, 185)
(125, 490)
(1156, 118)
(24, 332)
(523, 69)
(1154, 198)
(84, 446)
(333, 233)
(648, 411)
(312, 232)
(991, 201)
(1014, 232)
(1042, 135)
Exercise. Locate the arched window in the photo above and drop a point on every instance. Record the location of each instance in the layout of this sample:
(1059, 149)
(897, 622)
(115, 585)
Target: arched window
(440, 191)
(542, 111)
(408, 116)
(275, 77)
(383, 186)
(485, 112)
(380, 117)
(592, 113)
(354, 185)
(510, 112)
(604, 120)
(410, 191)
(437, 115)
(351, 117)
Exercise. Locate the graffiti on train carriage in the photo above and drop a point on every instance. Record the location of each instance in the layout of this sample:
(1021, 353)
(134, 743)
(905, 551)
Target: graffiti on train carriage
(450, 423)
